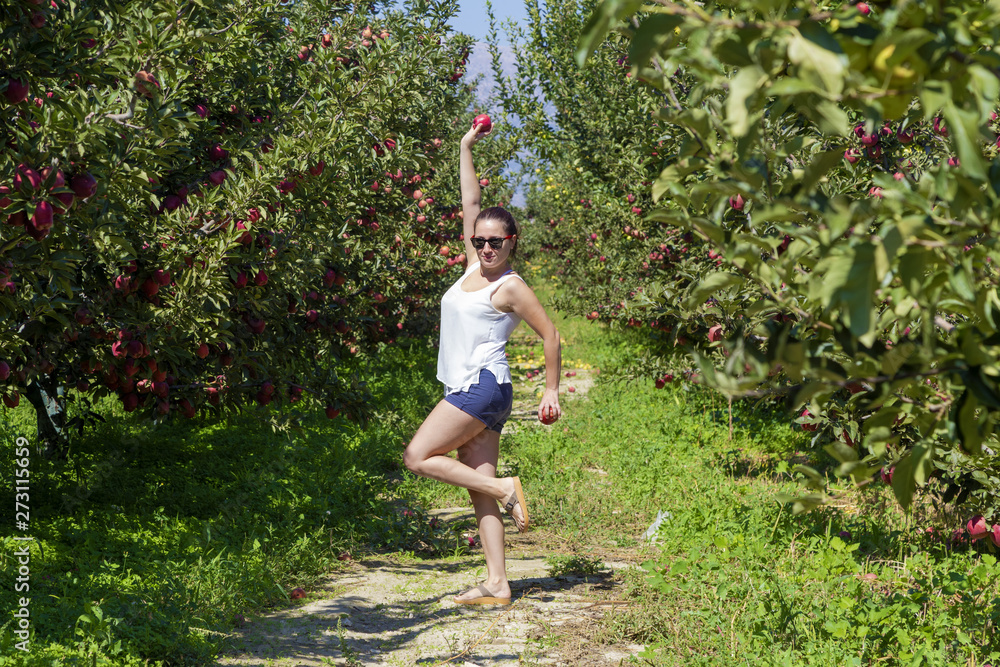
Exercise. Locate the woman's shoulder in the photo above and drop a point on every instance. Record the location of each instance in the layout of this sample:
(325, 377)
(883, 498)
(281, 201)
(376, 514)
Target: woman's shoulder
(511, 284)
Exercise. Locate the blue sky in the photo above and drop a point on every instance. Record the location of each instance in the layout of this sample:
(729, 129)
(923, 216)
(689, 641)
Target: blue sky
(472, 19)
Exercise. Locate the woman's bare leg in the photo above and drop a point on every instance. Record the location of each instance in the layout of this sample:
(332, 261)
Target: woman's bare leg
(446, 429)
(481, 453)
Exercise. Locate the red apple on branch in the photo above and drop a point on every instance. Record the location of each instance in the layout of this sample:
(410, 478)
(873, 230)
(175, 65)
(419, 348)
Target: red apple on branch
(26, 179)
(17, 90)
(977, 527)
(217, 153)
(808, 415)
(130, 402)
(42, 218)
(83, 185)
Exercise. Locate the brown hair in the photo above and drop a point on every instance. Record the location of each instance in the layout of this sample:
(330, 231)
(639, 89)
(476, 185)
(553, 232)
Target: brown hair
(500, 214)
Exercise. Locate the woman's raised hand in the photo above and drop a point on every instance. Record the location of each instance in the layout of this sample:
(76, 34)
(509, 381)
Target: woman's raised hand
(473, 135)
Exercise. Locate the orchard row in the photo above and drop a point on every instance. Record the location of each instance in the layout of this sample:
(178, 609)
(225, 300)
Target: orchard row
(808, 217)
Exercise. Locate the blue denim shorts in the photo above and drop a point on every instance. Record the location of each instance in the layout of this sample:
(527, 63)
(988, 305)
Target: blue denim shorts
(487, 401)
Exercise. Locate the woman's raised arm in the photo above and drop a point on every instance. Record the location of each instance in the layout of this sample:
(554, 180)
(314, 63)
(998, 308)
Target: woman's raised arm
(471, 194)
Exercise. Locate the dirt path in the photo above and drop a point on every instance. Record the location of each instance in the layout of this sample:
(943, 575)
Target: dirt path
(381, 612)
(385, 612)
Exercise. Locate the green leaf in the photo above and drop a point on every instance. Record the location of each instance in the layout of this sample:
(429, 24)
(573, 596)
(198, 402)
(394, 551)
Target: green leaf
(961, 282)
(741, 87)
(801, 504)
(968, 424)
(986, 86)
(857, 295)
(733, 51)
(652, 33)
(841, 451)
(912, 469)
(913, 269)
(934, 95)
(820, 167)
(832, 119)
(835, 270)
(964, 128)
(712, 283)
(984, 389)
(818, 57)
(600, 23)
(789, 85)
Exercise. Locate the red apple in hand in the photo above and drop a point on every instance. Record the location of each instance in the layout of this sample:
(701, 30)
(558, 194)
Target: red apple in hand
(484, 120)
(548, 417)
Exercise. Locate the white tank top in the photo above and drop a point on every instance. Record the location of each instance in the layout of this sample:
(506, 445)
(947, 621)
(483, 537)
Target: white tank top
(474, 335)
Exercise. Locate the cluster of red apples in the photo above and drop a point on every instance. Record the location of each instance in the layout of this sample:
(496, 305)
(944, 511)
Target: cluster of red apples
(45, 194)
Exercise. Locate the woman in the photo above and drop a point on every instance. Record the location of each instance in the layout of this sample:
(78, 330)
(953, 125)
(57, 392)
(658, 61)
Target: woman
(478, 314)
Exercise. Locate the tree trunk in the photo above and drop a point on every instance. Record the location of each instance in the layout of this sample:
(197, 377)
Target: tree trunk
(50, 407)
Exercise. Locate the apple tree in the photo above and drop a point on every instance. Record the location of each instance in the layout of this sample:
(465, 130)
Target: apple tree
(209, 206)
(831, 171)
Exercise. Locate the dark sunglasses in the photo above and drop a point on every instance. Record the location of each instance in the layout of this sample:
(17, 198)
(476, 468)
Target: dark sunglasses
(479, 242)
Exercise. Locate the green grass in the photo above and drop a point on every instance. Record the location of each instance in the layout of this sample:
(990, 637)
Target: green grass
(735, 578)
(168, 531)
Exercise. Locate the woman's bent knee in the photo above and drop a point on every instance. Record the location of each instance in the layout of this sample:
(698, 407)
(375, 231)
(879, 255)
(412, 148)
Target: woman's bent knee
(412, 461)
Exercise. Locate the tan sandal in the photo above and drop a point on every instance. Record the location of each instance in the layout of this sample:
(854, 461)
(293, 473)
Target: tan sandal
(485, 597)
(517, 498)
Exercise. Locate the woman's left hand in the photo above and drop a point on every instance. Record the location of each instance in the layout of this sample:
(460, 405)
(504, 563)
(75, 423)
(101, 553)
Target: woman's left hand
(549, 410)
